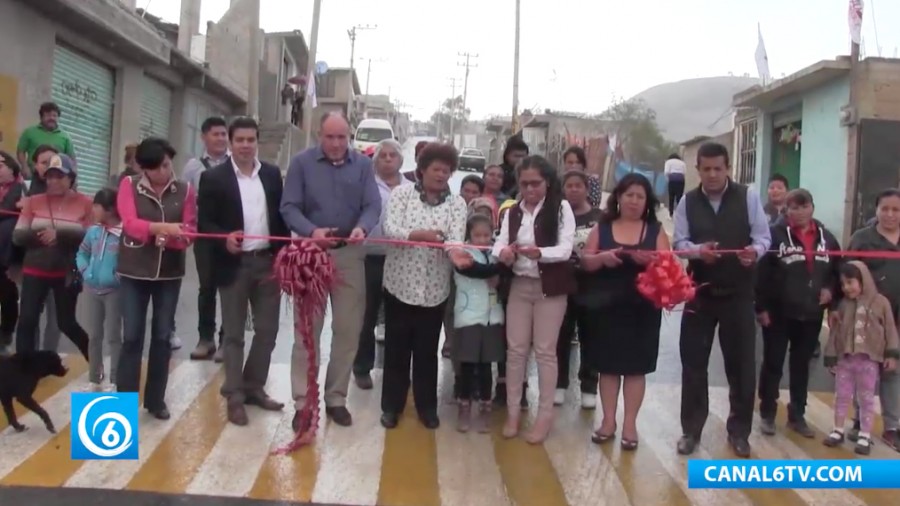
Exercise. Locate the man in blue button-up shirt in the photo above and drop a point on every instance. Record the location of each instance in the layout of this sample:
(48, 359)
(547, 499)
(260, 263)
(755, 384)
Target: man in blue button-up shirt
(330, 191)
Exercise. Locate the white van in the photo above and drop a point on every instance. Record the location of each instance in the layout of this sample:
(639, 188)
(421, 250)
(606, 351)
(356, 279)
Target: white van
(370, 132)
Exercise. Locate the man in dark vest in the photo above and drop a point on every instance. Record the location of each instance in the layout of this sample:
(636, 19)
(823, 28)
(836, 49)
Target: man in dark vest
(719, 215)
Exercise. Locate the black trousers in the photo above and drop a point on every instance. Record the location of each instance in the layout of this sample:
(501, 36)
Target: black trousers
(676, 191)
(411, 334)
(576, 317)
(365, 354)
(35, 291)
(475, 381)
(735, 318)
(9, 308)
(206, 296)
(801, 336)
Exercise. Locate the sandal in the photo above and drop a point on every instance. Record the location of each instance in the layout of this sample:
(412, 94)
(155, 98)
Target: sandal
(600, 438)
(629, 444)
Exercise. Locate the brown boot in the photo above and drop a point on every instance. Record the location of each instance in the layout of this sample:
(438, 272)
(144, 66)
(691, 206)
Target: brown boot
(237, 414)
(464, 416)
(204, 350)
(482, 423)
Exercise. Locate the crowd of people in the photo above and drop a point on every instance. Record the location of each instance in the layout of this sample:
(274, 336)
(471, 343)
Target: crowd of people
(525, 260)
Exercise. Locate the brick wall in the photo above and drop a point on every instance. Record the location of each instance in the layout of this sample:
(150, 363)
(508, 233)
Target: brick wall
(228, 44)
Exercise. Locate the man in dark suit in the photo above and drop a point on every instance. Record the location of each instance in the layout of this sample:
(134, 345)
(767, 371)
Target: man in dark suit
(240, 198)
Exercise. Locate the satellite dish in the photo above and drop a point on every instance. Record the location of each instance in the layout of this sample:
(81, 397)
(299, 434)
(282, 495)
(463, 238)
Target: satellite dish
(321, 68)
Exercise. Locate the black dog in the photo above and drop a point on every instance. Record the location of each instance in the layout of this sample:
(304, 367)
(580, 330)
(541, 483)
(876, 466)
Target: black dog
(19, 376)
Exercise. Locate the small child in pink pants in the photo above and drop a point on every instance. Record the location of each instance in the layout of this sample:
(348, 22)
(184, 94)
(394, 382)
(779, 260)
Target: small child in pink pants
(864, 342)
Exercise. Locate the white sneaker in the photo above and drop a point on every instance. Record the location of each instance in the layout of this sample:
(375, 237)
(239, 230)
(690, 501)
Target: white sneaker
(176, 343)
(110, 387)
(559, 397)
(588, 401)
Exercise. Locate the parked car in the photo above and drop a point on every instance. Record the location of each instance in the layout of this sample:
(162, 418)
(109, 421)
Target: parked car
(471, 159)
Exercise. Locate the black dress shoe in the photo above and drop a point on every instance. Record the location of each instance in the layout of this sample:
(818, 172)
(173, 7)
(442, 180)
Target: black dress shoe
(430, 420)
(687, 445)
(740, 446)
(339, 415)
(160, 414)
(364, 382)
(390, 420)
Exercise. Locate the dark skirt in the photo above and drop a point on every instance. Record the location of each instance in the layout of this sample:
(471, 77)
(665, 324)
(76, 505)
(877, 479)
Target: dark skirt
(479, 344)
(626, 338)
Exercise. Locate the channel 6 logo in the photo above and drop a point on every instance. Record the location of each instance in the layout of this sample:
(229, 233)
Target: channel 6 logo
(104, 426)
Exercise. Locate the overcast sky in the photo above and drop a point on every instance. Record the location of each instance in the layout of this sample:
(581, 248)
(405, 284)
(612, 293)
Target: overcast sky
(575, 55)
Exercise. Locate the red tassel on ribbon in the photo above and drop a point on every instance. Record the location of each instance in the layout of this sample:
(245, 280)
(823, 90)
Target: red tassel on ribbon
(665, 282)
(306, 274)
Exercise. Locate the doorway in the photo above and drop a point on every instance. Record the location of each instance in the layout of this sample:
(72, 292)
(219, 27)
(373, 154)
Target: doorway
(786, 151)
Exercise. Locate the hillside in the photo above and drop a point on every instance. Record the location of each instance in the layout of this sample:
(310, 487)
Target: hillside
(685, 109)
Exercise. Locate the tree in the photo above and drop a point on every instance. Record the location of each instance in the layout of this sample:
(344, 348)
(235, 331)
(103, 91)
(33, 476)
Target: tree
(636, 130)
(440, 120)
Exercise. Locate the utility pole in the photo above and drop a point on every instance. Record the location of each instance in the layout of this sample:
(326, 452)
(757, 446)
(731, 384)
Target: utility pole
(515, 108)
(452, 106)
(311, 71)
(368, 77)
(352, 34)
(468, 66)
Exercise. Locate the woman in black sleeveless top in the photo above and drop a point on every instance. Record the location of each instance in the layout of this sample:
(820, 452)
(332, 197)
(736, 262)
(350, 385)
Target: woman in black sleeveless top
(624, 323)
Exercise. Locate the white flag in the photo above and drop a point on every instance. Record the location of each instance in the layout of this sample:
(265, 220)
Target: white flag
(762, 59)
(855, 18)
(311, 90)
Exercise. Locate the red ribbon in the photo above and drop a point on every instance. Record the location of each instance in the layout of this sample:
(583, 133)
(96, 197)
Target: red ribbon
(306, 273)
(885, 255)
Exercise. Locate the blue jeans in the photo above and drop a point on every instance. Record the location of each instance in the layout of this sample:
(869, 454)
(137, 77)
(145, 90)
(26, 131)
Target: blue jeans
(136, 295)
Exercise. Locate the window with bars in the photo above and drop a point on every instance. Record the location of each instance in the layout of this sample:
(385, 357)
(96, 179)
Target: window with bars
(747, 152)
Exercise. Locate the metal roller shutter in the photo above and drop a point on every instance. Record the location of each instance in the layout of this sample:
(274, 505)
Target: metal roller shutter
(156, 109)
(85, 92)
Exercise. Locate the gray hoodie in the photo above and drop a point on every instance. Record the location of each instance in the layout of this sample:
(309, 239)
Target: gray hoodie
(885, 272)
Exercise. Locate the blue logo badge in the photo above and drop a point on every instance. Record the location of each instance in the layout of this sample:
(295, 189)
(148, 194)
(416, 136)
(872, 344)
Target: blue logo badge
(104, 426)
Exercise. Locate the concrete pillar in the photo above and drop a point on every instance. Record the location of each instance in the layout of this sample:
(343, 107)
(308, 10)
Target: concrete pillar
(254, 60)
(178, 122)
(189, 24)
(127, 114)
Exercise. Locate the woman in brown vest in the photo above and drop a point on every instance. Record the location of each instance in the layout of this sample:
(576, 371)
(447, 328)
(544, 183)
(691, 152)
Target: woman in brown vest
(157, 210)
(536, 241)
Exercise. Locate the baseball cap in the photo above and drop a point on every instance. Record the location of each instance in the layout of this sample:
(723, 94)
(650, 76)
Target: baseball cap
(62, 163)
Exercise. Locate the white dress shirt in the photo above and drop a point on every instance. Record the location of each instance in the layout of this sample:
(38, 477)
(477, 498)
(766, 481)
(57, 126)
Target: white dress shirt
(255, 207)
(565, 241)
(674, 166)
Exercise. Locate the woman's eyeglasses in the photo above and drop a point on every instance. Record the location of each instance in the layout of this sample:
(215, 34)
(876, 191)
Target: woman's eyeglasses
(531, 184)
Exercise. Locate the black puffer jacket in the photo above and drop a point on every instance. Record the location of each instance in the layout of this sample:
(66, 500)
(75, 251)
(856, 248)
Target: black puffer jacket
(786, 285)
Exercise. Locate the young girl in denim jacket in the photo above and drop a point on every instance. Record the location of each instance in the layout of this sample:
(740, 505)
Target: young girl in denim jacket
(97, 259)
(478, 321)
